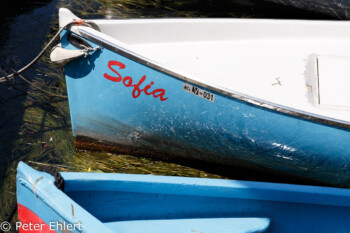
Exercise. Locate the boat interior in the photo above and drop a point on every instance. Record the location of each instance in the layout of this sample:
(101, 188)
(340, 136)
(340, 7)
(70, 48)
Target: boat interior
(150, 204)
(128, 203)
(299, 65)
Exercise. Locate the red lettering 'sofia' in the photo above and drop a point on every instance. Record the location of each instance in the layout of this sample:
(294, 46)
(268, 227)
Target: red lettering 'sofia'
(128, 82)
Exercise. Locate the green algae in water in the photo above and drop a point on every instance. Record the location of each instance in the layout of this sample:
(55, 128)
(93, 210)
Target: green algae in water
(45, 137)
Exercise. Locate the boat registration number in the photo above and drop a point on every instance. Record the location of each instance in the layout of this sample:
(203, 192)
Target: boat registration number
(199, 92)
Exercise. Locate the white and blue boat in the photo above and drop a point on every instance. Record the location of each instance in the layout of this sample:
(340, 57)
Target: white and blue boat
(125, 203)
(267, 93)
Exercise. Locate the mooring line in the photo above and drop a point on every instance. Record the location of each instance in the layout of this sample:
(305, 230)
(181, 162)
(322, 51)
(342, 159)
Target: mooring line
(11, 76)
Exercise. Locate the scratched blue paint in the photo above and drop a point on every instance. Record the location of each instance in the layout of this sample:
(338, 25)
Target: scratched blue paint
(51, 204)
(227, 131)
(126, 203)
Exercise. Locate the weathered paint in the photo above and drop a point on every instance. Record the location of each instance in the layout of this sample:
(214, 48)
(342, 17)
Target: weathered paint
(85, 143)
(48, 205)
(227, 131)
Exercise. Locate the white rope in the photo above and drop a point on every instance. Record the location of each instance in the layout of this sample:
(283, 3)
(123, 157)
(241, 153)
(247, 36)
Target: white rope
(11, 76)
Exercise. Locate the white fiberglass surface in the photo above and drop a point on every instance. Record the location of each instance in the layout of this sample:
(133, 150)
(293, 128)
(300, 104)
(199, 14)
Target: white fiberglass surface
(272, 61)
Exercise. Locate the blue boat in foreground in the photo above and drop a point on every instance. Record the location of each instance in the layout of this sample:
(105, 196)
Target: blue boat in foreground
(124, 203)
(258, 93)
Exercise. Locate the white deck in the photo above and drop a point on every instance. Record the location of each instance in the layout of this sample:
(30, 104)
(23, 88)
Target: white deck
(298, 64)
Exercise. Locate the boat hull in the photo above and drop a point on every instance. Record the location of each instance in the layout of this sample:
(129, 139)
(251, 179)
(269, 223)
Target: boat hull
(98, 202)
(172, 117)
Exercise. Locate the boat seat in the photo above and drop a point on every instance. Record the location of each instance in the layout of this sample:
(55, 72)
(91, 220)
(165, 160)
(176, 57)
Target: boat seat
(199, 225)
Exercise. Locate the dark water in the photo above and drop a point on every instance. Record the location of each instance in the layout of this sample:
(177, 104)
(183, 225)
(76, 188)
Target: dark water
(35, 127)
(23, 28)
(23, 36)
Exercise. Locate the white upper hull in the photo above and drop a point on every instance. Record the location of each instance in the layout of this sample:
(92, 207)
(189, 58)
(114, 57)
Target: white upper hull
(299, 65)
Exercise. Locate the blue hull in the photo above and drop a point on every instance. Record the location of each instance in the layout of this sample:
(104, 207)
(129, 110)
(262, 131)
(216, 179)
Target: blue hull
(122, 102)
(97, 202)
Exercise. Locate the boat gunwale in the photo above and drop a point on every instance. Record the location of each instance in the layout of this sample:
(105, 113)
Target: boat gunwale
(220, 90)
(55, 199)
(206, 187)
(46, 191)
